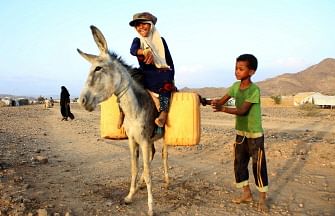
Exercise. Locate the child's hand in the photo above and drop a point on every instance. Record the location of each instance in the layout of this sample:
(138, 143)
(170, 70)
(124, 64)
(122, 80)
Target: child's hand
(148, 56)
(216, 106)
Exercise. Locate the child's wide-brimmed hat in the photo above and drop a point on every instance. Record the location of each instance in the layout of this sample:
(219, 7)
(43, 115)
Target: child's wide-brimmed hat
(144, 16)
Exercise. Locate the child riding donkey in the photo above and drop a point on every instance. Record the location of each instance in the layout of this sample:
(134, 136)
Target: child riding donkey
(155, 63)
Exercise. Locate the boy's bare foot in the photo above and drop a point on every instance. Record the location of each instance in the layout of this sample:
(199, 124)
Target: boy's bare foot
(246, 196)
(262, 207)
(243, 199)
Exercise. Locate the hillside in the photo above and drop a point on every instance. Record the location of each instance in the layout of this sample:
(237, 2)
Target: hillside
(317, 78)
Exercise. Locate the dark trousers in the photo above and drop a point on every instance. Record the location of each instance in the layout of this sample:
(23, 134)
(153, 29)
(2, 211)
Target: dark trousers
(254, 148)
(163, 103)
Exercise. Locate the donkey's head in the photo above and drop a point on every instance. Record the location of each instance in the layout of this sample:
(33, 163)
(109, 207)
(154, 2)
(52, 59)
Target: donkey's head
(104, 76)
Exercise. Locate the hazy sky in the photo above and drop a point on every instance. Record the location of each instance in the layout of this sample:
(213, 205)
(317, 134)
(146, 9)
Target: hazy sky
(38, 39)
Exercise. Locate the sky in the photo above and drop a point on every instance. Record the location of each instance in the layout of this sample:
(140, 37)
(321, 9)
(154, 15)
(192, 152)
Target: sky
(38, 39)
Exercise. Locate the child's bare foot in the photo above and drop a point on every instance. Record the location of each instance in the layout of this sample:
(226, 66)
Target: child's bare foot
(245, 198)
(161, 119)
(262, 207)
(159, 122)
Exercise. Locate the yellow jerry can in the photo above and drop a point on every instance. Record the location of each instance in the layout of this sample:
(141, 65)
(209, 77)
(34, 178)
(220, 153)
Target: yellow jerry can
(109, 118)
(183, 123)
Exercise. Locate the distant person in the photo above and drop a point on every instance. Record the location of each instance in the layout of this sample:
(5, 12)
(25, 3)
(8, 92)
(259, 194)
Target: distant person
(249, 131)
(52, 101)
(65, 104)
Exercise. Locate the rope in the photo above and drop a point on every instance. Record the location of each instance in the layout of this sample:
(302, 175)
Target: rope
(123, 91)
(241, 141)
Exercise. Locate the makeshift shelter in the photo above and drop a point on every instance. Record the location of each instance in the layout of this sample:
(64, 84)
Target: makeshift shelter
(22, 101)
(323, 101)
(8, 101)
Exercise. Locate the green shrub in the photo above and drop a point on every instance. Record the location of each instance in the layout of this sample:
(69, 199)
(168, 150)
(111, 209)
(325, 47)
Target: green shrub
(276, 99)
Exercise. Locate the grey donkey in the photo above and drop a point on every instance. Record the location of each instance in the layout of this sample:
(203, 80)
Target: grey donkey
(109, 75)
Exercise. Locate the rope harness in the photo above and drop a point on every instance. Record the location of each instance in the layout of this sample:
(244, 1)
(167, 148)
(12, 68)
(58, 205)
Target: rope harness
(123, 91)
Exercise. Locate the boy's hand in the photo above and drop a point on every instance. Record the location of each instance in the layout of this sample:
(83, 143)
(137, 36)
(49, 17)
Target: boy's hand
(216, 106)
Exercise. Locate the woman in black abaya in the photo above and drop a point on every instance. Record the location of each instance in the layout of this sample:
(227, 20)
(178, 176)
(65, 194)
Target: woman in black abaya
(65, 104)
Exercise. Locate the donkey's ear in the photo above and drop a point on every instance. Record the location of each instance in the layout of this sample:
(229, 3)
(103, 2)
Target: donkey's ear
(88, 57)
(99, 39)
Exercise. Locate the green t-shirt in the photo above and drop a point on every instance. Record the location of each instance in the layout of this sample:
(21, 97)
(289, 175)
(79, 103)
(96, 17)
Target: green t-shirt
(249, 124)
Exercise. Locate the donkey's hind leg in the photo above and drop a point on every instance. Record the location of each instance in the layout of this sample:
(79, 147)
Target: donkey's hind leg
(166, 166)
(134, 151)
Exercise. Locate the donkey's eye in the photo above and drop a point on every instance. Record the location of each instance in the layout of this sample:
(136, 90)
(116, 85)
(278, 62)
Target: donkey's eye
(98, 68)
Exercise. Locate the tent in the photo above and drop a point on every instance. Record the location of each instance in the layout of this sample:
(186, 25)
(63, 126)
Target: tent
(321, 100)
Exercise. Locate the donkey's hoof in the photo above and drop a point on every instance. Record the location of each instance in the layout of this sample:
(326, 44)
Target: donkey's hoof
(127, 200)
(166, 182)
(166, 186)
(151, 213)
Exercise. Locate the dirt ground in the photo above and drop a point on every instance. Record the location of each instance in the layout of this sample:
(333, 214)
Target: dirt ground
(54, 167)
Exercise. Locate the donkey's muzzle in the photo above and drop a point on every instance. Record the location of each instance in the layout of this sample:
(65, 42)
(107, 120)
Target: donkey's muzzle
(86, 102)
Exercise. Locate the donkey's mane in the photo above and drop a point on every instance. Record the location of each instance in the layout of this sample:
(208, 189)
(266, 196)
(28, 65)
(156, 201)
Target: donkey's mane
(115, 56)
(135, 73)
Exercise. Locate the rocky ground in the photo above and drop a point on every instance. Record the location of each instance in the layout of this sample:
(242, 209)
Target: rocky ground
(53, 167)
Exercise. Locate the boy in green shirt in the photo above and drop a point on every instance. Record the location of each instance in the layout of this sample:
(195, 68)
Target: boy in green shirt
(249, 131)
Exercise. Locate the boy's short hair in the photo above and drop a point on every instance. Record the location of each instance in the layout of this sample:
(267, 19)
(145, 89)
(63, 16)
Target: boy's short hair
(251, 59)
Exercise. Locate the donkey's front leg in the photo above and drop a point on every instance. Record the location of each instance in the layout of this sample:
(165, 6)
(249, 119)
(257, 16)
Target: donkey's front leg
(133, 147)
(141, 184)
(147, 175)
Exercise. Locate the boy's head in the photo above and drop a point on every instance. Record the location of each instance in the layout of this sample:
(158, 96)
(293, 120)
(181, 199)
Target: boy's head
(246, 66)
(251, 60)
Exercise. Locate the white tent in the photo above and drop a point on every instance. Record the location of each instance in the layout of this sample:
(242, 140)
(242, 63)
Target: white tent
(320, 100)
(324, 100)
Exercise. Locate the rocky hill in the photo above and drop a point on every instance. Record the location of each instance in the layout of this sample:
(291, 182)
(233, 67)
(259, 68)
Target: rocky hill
(317, 78)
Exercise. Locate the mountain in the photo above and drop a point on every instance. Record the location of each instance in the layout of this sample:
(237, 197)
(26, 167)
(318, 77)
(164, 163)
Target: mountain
(317, 78)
